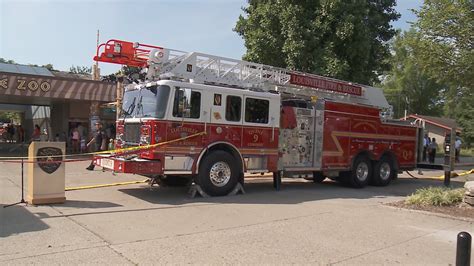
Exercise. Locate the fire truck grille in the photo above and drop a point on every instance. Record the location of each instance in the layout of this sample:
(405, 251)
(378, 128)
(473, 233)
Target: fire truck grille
(132, 133)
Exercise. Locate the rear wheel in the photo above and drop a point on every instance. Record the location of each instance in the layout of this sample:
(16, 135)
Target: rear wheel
(384, 172)
(218, 173)
(318, 177)
(361, 172)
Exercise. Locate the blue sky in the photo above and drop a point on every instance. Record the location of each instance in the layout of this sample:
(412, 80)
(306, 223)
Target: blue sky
(63, 32)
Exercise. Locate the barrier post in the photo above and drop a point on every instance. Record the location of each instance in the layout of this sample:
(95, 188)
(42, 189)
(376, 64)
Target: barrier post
(463, 249)
(449, 157)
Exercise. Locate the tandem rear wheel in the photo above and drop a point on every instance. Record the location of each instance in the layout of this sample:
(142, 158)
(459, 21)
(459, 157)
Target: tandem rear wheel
(384, 172)
(360, 174)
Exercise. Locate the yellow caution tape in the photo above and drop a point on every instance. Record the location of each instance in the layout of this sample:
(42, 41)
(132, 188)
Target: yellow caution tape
(105, 185)
(136, 148)
(453, 174)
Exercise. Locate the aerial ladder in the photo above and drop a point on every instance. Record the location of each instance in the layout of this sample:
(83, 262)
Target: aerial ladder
(163, 63)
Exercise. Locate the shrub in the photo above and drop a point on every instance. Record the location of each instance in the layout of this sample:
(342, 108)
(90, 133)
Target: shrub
(436, 196)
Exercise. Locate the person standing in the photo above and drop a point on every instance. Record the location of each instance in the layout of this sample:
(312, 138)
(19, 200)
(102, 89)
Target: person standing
(98, 142)
(457, 147)
(426, 142)
(36, 133)
(75, 139)
(21, 134)
(432, 150)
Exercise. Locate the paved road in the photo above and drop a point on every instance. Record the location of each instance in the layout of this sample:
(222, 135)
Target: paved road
(303, 223)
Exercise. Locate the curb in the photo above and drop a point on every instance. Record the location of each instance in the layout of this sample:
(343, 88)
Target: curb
(442, 215)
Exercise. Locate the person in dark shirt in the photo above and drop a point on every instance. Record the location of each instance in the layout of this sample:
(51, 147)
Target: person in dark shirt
(97, 143)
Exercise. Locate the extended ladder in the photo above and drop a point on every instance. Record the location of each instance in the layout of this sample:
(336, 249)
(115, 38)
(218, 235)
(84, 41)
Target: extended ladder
(196, 67)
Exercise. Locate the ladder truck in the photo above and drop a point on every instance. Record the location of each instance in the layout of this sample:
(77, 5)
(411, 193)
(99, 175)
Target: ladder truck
(254, 118)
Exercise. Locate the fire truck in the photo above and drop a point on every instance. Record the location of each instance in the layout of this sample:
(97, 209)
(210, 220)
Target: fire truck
(220, 118)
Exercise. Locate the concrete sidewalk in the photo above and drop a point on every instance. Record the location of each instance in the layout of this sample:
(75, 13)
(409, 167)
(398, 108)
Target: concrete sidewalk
(303, 223)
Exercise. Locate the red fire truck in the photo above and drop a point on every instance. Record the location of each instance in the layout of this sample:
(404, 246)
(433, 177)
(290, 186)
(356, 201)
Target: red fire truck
(227, 117)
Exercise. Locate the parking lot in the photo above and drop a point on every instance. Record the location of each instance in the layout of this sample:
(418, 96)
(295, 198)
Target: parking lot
(303, 223)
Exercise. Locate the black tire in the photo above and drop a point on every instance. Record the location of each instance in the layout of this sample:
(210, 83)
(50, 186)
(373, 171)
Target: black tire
(175, 181)
(384, 172)
(318, 177)
(361, 172)
(218, 173)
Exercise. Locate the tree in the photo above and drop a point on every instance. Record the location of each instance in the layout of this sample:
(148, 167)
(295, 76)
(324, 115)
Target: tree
(446, 44)
(406, 86)
(80, 70)
(5, 61)
(342, 39)
(445, 51)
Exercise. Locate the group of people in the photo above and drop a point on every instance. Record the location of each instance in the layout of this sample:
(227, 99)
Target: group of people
(13, 134)
(430, 147)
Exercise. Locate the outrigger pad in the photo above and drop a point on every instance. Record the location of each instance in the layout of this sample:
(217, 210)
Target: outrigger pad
(196, 189)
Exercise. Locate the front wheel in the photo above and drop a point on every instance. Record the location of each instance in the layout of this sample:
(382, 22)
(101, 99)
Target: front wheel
(218, 173)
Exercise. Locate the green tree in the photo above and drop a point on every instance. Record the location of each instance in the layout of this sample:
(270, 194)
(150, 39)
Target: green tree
(80, 70)
(342, 39)
(5, 61)
(406, 86)
(445, 51)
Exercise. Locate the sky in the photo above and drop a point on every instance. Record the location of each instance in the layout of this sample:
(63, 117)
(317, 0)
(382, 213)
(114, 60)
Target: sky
(64, 32)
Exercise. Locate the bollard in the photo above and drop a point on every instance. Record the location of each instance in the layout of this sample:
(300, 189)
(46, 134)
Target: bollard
(463, 249)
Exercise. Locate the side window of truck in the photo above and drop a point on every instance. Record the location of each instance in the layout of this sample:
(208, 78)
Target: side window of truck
(187, 103)
(233, 108)
(256, 110)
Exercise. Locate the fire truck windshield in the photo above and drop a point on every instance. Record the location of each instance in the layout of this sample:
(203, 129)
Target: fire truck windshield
(146, 102)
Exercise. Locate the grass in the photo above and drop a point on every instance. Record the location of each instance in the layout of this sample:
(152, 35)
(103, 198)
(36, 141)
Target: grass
(436, 196)
(467, 152)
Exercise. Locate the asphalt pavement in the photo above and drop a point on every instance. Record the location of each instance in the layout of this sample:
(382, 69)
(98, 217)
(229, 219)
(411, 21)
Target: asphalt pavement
(303, 223)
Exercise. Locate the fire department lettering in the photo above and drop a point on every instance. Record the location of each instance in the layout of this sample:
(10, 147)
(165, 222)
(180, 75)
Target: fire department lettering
(184, 129)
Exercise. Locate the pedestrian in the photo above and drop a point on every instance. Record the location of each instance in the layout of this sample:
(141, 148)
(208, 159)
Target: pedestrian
(11, 132)
(36, 133)
(426, 143)
(433, 146)
(75, 140)
(457, 147)
(21, 134)
(98, 142)
(45, 135)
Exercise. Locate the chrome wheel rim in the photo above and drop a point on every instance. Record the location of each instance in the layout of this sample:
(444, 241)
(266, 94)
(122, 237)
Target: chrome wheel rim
(385, 171)
(362, 171)
(220, 174)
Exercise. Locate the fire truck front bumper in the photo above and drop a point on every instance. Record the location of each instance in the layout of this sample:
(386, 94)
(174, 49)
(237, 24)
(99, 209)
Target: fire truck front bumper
(131, 166)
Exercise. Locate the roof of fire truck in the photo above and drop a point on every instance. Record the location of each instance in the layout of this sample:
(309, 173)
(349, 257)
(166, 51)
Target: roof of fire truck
(163, 63)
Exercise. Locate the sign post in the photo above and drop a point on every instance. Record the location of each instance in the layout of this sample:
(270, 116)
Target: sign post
(46, 175)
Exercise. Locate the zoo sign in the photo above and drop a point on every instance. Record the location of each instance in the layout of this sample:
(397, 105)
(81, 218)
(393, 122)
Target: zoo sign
(24, 84)
(32, 85)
